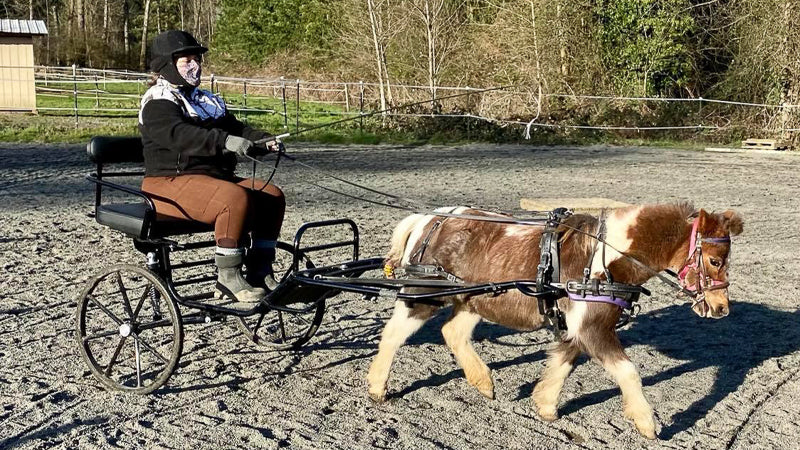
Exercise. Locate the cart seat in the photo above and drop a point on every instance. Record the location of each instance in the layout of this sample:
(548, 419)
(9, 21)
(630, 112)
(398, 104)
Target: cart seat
(131, 219)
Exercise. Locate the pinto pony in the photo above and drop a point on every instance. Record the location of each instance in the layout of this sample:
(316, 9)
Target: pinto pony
(658, 236)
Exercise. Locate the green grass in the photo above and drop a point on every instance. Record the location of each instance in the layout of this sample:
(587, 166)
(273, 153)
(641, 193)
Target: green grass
(60, 125)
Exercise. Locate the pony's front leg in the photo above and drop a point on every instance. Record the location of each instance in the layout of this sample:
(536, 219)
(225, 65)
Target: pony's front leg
(607, 350)
(457, 334)
(559, 364)
(405, 321)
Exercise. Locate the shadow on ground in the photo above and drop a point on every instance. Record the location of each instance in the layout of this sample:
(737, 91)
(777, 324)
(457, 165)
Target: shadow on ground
(751, 335)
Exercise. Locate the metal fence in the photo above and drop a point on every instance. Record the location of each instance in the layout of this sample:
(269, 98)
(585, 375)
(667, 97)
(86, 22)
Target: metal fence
(88, 92)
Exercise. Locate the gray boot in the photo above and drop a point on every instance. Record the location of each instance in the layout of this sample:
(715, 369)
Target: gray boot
(230, 282)
(259, 265)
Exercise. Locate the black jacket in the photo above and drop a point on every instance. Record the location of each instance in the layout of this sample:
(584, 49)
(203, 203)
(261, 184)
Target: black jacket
(175, 144)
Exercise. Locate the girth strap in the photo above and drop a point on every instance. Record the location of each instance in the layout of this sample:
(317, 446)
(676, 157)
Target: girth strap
(549, 270)
(620, 294)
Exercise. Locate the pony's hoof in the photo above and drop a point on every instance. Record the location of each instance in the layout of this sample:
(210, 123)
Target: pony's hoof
(647, 430)
(548, 414)
(649, 433)
(377, 397)
(488, 393)
(644, 424)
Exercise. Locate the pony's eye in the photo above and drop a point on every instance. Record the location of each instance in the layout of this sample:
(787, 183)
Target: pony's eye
(716, 262)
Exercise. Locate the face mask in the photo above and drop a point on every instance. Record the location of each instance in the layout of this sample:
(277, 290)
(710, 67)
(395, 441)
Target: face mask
(191, 72)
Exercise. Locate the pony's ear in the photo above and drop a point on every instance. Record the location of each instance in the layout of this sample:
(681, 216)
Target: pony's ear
(732, 222)
(708, 223)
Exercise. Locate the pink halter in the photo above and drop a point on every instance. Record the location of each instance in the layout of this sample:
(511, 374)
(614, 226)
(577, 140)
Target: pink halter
(695, 261)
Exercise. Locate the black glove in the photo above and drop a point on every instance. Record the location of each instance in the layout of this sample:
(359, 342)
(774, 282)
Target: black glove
(275, 146)
(238, 145)
(272, 146)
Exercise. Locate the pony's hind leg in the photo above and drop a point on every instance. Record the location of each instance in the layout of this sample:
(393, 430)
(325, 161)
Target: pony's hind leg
(559, 364)
(405, 321)
(457, 333)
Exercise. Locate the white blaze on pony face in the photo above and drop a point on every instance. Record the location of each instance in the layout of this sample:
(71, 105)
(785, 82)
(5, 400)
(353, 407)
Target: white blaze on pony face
(617, 226)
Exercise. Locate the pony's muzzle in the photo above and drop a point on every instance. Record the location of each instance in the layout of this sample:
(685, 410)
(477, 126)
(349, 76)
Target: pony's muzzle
(720, 311)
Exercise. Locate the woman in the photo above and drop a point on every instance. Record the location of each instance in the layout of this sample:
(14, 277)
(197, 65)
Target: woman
(191, 143)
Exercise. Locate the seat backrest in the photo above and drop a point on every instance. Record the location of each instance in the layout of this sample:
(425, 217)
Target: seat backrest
(109, 149)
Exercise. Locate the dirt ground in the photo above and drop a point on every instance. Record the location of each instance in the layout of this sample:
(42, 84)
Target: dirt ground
(731, 383)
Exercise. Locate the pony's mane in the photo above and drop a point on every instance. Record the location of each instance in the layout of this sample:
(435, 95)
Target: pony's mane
(684, 209)
(581, 227)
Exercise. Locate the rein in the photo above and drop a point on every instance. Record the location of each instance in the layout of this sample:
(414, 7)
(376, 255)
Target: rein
(591, 290)
(373, 113)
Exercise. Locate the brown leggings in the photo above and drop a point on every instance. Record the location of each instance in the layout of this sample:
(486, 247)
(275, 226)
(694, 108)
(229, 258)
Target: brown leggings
(230, 206)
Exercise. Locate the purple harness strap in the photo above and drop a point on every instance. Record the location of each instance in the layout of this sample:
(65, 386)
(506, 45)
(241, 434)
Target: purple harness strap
(599, 299)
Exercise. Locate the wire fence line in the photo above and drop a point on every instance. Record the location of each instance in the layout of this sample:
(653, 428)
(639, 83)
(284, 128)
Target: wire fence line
(92, 91)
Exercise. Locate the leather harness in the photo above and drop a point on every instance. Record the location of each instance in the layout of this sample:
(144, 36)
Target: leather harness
(548, 285)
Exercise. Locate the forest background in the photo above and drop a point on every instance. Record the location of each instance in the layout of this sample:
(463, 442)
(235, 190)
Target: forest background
(554, 51)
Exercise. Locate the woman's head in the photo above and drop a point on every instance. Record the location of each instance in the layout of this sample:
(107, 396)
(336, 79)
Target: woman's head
(177, 56)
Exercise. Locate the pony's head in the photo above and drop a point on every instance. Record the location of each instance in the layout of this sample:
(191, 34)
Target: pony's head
(705, 271)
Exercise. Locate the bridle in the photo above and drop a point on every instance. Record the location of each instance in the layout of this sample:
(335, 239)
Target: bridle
(694, 261)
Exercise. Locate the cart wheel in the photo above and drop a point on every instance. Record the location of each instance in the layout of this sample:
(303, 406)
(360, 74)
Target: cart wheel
(129, 329)
(281, 330)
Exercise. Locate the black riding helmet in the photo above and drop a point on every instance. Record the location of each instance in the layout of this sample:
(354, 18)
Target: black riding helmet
(166, 46)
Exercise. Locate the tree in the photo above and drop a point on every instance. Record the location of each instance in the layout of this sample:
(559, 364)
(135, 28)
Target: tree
(441, 23)
(255, 30)
(645, 44)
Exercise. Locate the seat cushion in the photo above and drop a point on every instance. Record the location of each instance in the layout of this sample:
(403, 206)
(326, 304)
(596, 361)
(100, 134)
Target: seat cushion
(132, 219)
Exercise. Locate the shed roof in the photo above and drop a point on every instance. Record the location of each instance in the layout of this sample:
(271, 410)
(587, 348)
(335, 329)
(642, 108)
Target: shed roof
(15, 27)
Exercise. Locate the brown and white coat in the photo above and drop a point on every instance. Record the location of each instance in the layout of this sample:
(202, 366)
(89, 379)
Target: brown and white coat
(480, 251)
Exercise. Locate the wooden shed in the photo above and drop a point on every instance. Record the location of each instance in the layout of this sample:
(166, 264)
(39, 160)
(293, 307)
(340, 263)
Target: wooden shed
(17, 87)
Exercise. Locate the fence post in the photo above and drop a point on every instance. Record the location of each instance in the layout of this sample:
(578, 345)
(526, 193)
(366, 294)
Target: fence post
(297, 109)
(361, 105)
(700, 109)
(346, 98)
(244, 97)
(96, 92)
(75, 92)
(45, 76)
(283, 95)
(212, 84)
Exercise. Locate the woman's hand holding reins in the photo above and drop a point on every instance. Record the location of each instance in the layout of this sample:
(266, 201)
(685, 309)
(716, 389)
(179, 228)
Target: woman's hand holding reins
(238, 145)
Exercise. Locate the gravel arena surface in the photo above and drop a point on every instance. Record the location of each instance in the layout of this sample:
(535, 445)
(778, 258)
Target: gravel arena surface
(730, 383)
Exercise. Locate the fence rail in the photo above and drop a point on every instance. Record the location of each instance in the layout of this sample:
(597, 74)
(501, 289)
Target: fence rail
(91, 91)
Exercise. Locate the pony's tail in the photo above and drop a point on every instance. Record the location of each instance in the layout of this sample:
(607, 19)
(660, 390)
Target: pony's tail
(400, 238)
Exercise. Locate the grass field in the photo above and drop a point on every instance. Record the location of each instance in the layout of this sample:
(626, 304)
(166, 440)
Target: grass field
(111, 109)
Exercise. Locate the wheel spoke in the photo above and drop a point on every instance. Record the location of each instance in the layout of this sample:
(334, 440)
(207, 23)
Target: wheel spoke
(152, 325)
(257, 326)
(141, 302)
(125, 301)
(103, 334)
(302, 319)
(114, 356)
(283, 329)
(104, 309)
(148, 347)
(138, 363)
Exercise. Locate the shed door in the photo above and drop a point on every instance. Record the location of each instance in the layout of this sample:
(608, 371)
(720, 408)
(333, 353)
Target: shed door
(17, 89)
